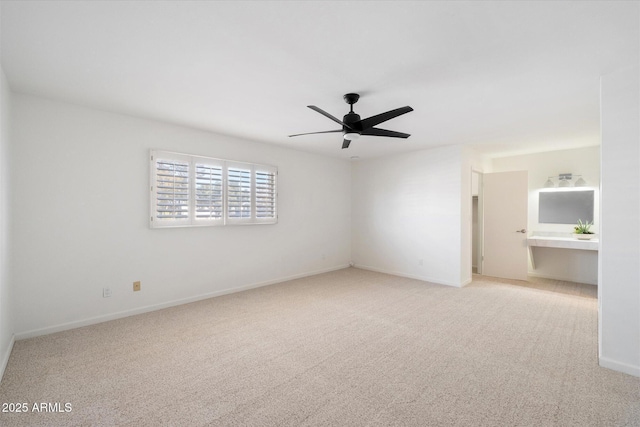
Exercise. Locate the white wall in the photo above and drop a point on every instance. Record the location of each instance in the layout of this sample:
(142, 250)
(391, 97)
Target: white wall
(81, 209)
(619, 270)
(563, 264)
(6, 317)
(406, 215)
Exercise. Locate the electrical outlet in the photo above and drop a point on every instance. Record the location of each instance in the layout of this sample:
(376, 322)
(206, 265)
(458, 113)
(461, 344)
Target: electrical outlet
(106, 292)
(420, 262)
(136, 286)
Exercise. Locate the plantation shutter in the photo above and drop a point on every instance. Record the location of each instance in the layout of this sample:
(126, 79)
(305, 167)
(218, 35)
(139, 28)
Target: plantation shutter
(209, 191)
(265, 194)
(239, 193)
(171, 190)
(189, 190)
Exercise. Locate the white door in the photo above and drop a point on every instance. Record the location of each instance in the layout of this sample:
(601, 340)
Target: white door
(506, 196)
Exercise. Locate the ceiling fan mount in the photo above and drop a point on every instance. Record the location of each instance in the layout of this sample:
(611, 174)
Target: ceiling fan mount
(353, 126)
(351, 98)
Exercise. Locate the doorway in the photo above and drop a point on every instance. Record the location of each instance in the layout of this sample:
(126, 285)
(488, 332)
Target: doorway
(476, 222)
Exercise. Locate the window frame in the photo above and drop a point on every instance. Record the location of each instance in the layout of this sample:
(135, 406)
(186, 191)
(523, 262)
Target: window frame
(225, 166)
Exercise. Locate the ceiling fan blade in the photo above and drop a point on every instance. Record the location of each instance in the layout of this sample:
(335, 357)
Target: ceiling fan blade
(383, 117)
(345, 143)
(324, 113)
(312, 133)
(384, 132)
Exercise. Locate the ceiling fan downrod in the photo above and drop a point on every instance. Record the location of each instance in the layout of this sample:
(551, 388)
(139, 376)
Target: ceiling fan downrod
(351, 98)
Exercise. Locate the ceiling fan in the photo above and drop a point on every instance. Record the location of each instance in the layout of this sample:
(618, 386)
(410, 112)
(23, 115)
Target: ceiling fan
(353, 127)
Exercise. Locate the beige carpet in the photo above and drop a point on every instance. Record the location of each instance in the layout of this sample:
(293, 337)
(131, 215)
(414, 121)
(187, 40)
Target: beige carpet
(346, 348)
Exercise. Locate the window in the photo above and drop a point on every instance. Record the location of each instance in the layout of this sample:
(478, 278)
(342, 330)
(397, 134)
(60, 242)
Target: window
(172, 190)
(265, 194)
(198, 191)
(208, 192)
(238, 193)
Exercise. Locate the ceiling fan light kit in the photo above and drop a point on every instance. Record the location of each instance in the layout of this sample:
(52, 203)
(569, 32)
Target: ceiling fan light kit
(353, 126)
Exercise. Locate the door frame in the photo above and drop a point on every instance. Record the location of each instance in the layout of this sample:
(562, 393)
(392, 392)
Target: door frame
(480, 242)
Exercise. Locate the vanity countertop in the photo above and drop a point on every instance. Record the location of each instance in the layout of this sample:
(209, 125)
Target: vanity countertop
(563, 242)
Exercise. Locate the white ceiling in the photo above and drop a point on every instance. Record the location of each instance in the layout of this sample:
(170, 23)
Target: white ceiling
(505, 77)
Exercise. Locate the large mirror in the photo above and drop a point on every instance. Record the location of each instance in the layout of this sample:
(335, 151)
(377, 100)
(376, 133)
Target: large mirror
(565, 207)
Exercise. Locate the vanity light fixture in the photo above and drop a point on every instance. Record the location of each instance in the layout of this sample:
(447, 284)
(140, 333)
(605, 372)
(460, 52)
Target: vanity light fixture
(564, 181)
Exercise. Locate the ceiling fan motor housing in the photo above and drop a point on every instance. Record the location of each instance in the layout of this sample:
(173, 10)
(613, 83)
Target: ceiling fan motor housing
(353, 121)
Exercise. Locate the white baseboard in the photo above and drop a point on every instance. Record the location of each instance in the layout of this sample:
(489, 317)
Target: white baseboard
(411, 276)
(126, 313)
(625, 368)
(5, 357)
